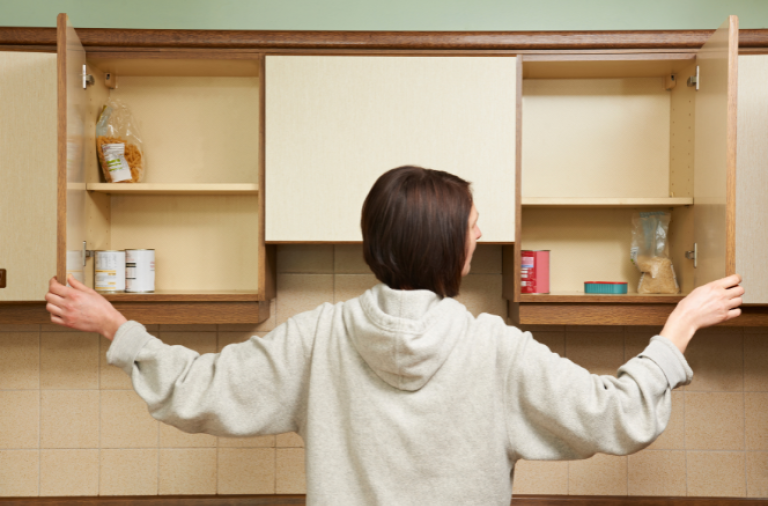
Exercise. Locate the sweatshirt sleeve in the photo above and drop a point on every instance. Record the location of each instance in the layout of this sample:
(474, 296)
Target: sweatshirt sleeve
(557, 410)
(250, 388)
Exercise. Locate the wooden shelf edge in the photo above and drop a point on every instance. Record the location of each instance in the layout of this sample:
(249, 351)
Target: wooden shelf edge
(171, 313)
(603, 298)
(617, 314)
(606, 202)
(174, 189)
(183, 297)
(296, 500)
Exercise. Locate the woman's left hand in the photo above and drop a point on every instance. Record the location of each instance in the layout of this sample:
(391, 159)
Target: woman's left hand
(81, 308)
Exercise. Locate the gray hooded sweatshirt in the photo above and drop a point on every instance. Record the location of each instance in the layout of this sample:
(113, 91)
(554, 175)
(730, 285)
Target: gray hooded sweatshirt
(404, 398)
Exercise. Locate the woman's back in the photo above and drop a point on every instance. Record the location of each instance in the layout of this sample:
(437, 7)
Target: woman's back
(405, 398)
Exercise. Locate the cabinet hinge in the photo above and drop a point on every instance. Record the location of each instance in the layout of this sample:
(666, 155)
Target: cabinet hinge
(87, 253)
(87, 78)
(695, 80)
(693, 255)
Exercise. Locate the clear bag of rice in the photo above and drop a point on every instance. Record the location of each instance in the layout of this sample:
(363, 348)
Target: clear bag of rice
(118, 144)
(650, 253)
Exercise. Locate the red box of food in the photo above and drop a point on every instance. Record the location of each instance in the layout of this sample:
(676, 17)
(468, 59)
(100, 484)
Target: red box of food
(534, 271)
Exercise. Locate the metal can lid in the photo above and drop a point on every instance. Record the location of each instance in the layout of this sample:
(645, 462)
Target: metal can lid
(110, 251)
(140, 249)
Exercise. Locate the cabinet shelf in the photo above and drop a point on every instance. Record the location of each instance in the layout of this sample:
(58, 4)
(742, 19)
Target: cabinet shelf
(186, 296)
(606, 202)
(174, 189)
(631, 298)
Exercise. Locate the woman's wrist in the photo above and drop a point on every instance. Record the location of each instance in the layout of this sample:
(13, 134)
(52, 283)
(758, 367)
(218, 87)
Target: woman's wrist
(678, 330)
(110, 328)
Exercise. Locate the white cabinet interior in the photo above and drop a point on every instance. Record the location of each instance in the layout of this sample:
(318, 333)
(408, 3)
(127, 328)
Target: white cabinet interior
(602, 140)
(634, 129)
(198, 206)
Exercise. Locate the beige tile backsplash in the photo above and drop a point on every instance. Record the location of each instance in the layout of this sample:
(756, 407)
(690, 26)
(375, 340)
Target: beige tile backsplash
(71, 425)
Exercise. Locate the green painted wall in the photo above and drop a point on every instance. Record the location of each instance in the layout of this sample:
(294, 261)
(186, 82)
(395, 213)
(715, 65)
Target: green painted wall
(388, 14)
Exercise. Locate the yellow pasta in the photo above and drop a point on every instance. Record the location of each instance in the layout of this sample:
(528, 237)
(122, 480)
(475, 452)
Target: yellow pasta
(132, 156)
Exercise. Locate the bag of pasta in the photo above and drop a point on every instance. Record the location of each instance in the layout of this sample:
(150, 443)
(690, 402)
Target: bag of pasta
(118, 144)
(650, 253)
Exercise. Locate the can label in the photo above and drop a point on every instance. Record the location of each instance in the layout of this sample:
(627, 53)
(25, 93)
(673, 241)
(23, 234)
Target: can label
(110, 271)
(139, 270)
(534, 272)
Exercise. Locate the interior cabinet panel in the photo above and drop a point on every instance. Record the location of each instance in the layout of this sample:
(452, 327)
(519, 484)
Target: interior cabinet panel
(334, 124)
(715, 154)
(28, 167)
(588, 244)
(196, 129)
(206, 243)
(604, 138)
(752, 178)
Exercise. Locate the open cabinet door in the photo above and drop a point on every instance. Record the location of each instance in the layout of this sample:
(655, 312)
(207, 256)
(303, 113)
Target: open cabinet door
(715, 154)
(72, 103)
(28, 168)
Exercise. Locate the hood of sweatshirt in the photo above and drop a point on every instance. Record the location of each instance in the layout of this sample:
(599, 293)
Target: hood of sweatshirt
(405, 336)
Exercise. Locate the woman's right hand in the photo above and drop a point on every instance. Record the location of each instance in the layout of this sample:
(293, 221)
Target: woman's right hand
(705, 306)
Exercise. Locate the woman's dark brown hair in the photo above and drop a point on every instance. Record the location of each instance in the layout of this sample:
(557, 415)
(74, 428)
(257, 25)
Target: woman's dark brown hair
(415, 229)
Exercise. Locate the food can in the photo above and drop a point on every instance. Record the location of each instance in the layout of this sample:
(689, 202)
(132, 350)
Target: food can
(110, 271)
(534, 271)
(75, 266)
(140, 270)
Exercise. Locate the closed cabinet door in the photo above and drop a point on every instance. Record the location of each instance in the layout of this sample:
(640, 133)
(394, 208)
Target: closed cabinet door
(28, 201)
(334, 124)
(42, 210)
(751, 220)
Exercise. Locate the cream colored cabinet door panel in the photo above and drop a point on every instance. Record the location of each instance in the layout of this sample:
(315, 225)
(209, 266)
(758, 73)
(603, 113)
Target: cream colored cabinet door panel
(752, 178)
(27, 173)
(334, 124)
(72, 110)
(715, 154)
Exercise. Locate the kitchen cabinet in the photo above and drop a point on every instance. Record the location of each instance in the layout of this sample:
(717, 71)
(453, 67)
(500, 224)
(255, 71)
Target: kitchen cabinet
(254, 139)
(334, 124)
(606, 136)
(199, 206)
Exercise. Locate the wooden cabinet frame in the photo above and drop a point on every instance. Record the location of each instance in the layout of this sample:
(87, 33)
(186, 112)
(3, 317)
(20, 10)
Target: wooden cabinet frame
(152, 44)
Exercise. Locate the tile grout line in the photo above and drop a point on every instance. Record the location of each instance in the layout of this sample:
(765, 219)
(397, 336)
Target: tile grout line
(157, 449)
(685, 443)
(624, 356)
(568, 464)
(744, 400)
(218, 454)
(39, 409)
(333, 270)
(98, 385)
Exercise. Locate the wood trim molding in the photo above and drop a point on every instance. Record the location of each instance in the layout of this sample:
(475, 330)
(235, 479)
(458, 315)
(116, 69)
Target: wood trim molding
(297, 500)
(295, 39)
(570, 313)
(171, 313)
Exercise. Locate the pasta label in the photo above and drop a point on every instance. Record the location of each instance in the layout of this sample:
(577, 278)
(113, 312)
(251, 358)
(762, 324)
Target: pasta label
(115, 162)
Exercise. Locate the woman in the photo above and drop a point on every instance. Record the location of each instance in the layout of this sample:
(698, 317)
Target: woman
(401, 395)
